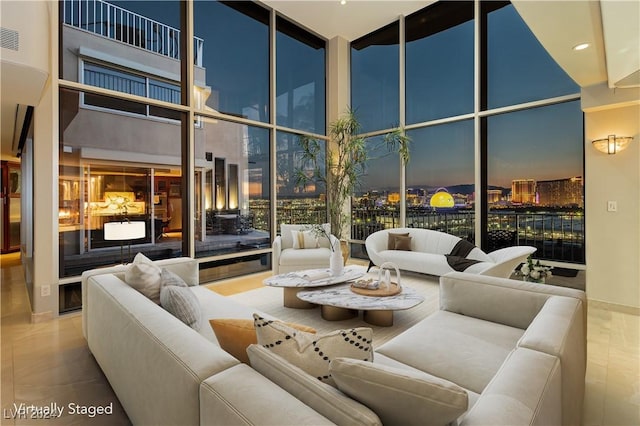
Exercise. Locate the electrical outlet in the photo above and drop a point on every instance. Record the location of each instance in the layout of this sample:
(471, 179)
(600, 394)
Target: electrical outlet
(612, 206)
(45, 290)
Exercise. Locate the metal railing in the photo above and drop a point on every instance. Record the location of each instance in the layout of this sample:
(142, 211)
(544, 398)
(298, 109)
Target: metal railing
(116, 23)
(558, 236)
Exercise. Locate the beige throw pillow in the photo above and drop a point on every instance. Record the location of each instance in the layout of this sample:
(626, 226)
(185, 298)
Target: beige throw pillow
(400, 397)
(313, 352)
(304, 240)
(143, 275)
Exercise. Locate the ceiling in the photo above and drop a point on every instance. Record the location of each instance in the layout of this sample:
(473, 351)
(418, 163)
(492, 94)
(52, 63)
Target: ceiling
(611, 27)
(330, 18)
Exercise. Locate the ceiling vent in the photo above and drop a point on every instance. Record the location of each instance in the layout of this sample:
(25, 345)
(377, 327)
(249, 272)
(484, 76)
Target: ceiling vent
(9, 39)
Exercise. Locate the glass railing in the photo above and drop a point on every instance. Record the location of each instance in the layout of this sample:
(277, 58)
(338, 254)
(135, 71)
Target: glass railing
(116, 23)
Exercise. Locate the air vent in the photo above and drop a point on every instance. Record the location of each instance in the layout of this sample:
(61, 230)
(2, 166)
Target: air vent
(9, 39)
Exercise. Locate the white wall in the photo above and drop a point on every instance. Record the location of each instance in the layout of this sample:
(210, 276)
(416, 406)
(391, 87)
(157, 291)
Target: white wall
(613, 238)
(44, 267)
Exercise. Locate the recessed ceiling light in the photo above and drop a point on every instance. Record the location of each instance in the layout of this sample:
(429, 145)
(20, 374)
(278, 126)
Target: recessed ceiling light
(343, 2)
(581, 46)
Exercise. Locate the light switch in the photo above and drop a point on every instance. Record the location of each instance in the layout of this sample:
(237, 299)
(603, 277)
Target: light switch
(612, 206)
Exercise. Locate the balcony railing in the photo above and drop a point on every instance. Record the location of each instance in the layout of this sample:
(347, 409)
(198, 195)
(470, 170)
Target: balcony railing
(558, 236)
(115, 23)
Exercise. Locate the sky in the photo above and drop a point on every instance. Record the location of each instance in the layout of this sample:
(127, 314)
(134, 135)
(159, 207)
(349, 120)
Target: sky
(543, 143)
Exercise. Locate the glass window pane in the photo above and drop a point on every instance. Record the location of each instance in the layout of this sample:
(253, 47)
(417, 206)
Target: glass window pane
(535, 179)
(440, 179)
(519, 69)
(232, 187)
(376, 202)
(375, 78)
(300, 74)
(116, 167)
(299, 201)
(131, 40)
(439, 84)
(233, 76)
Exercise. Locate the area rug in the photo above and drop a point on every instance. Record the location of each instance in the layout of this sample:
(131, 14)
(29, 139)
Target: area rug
(269, 300)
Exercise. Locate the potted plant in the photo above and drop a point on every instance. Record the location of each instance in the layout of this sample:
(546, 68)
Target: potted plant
(347, 155)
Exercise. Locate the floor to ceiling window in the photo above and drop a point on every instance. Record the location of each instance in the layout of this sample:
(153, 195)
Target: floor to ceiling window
(375, 78)
(507, 171)
(534, 160)
(126, 158)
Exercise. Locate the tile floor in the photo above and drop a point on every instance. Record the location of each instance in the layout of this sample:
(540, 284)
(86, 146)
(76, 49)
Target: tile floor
(50, 362)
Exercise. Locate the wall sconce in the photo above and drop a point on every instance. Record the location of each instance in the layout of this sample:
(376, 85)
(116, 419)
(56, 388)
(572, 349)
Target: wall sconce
(612, 144)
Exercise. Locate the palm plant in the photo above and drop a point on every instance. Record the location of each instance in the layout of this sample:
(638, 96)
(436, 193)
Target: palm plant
(345, 165)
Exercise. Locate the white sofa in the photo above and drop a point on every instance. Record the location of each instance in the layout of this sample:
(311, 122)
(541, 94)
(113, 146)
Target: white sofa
(518, 349)
(166, 373)
(428, 250)
(287, 259)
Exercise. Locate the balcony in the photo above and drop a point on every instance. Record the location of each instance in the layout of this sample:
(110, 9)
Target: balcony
(115, 23)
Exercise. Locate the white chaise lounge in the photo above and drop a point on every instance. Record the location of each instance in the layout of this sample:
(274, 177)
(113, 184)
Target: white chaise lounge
(425, 252)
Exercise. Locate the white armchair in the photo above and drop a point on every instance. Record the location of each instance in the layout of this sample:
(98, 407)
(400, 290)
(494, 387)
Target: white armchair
(287, 259)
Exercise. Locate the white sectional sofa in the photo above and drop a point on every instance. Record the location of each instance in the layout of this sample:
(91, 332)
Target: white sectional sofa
(428, 249)
(517, 349)
(166, 373)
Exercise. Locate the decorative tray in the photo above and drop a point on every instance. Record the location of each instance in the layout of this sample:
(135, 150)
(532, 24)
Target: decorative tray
(374, 289)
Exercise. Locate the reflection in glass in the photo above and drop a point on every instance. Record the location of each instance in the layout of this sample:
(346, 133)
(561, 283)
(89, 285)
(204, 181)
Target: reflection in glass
(234, 75)
(439, 84)
(111, 172)
(519, 69)
(237, 156)
(300, 62)
(129, 39)
(375, 78)
(297, 203)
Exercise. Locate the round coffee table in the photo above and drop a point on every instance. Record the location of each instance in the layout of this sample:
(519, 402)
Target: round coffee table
(340, 303)
(293, 282)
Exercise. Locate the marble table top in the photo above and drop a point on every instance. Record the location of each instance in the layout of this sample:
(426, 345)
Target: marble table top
(342, 297)
(315, 277)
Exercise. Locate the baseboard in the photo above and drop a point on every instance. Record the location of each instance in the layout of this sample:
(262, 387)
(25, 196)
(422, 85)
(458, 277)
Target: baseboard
(624, 309)
(41, 317)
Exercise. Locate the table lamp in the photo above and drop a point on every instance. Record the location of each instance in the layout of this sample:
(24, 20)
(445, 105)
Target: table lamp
(124, 231)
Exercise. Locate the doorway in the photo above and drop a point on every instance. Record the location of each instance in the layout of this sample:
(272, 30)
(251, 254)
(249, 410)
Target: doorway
(10, 208)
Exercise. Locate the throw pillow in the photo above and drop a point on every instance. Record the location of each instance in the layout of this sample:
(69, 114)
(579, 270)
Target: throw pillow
(403, 243)
(143, 275)
(169, 278)
(235, 335)
(304, 239)
(182, 304)
(391, 242)
(397, 396)
(325, 399)
(313, 353)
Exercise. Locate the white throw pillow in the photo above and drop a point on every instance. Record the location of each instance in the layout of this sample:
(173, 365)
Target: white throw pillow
(402, 397)
(325, 399)
(313, 352)
(304, 239)
(169, 278)
(143, 275)
(182, 304)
